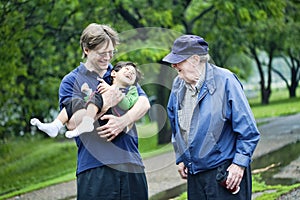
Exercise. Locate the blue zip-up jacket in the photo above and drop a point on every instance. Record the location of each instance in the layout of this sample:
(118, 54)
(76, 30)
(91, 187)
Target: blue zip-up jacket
(222, 125)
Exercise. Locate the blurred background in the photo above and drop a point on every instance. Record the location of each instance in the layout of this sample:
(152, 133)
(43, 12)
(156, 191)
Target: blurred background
(39, 44)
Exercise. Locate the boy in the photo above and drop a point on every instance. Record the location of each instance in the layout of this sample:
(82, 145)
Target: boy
(125, 75)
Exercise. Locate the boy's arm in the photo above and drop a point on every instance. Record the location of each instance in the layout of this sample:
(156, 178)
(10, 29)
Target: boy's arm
(129, 99)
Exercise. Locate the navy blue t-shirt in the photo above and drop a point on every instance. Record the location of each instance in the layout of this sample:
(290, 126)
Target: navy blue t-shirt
(94, 151)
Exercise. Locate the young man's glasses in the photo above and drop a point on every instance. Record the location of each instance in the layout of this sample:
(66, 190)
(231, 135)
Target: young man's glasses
(110, 53)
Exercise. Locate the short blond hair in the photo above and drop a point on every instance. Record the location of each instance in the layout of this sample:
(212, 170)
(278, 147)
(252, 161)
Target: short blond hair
(95, 35)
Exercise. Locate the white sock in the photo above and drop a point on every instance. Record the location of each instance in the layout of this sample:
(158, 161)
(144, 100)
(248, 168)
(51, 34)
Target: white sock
(51, 129)
(87, 125)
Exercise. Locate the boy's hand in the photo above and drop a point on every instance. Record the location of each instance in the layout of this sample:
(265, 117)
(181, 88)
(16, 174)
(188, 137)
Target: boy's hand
(111, 97)
(103, 86)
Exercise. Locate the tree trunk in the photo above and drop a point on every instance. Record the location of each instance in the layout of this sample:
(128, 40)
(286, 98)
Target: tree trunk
(293, 89)
(265, 92)
(265, 96)
(164, 134)
(294, 82)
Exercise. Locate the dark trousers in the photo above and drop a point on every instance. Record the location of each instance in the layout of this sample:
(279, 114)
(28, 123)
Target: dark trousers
(116, 182)
(203, 186)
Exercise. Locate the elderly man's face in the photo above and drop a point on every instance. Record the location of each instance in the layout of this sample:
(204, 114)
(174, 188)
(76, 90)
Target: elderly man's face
(189, 69)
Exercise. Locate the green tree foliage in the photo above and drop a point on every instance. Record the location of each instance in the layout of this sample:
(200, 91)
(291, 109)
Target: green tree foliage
(40, 44)
(231, 27)
(143, 14)
(11, 67)
(264, 35)
(289, 43)
(249, 28)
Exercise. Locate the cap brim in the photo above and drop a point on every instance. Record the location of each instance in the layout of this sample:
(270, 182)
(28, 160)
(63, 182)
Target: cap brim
(175, 58)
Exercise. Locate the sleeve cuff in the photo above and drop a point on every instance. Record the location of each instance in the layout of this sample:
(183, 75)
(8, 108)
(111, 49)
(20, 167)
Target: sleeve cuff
(241, 160)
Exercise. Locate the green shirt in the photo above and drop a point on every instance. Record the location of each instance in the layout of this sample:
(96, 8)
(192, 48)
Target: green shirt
(130, 98)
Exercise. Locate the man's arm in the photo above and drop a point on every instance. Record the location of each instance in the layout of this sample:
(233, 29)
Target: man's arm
(139, 109)
(115, 125)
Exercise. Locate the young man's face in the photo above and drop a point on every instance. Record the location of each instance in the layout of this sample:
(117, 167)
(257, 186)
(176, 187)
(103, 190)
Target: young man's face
(100, 57)
(126, 76)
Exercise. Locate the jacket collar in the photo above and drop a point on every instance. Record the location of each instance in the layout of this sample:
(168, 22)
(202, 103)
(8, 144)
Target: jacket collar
(210, 79)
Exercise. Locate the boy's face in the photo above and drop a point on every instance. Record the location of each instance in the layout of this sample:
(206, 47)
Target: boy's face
(126, 76)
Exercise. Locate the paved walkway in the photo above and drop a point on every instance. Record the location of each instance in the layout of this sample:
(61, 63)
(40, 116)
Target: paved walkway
(162, 172)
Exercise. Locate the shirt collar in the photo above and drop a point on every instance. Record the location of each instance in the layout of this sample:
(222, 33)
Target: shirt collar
(84, 70)
(108, 71)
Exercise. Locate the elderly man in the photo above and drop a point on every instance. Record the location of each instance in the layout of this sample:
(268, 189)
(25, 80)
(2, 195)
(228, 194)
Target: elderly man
(214, 132)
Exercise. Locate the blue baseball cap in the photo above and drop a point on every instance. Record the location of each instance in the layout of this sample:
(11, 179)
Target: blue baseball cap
(184, 47)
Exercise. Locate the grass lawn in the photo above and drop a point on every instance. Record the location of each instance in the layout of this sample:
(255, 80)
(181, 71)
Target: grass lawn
(280, 104)
(28, 163)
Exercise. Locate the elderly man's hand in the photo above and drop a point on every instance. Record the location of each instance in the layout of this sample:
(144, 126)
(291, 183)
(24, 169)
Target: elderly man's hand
(182, 170)
(235, 176)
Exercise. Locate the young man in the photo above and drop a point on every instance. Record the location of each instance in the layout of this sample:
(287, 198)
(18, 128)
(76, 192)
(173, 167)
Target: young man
(109, 165)
(125, 76)
(213, 129)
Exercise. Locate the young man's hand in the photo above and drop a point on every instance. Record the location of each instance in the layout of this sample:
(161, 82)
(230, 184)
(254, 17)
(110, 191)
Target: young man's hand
(113, 128)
